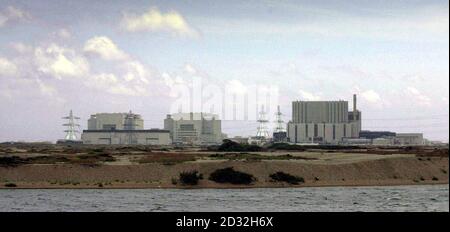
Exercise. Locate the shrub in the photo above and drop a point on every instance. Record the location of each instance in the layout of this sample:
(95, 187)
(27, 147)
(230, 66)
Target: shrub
(11, 161)
(190, 178)
(229, 145)
(10, 185)
(287, 147)
(435, 178)
(229, 175)
(285, 177)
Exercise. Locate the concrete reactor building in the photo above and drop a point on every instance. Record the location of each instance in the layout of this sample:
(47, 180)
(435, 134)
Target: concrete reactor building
(194, 128)
(122, 128)
(325, 122)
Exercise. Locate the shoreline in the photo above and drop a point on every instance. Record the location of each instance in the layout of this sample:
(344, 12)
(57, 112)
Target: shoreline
(222, 188)
(94, 167)
(388, 171)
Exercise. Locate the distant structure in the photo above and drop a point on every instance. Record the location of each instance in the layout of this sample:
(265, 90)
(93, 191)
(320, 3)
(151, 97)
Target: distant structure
(122, 128)
(262, 127)
(324, 122)
(71, 130)
(115, 121)
(279, 134)
(194, 128)
(262, 132)
(376, 134)
(71, 127)
(409, 139)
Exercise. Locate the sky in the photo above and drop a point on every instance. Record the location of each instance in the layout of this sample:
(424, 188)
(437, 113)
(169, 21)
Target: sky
(116, 56)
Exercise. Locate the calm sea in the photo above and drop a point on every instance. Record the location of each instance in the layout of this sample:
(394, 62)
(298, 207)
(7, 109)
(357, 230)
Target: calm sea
(399, 198)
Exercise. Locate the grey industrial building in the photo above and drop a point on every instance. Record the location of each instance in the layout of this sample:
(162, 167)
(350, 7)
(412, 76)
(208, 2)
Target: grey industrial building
(194, 128)
(122, 128)
(326, 122)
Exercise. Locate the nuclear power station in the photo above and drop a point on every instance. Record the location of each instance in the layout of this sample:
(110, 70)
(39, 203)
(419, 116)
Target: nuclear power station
(323, 122)
(312, 123)
(122, 128)
(194, 128)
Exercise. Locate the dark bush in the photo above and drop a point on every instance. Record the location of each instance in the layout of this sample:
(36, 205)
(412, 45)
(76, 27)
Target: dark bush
(229, 175)
(287, 147)
(229, 145)
(285, 177)
(190, 178)
(11, 161)
(435, 178)
(10, 185)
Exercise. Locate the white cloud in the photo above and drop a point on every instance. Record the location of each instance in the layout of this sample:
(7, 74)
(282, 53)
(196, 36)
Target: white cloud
(190, 69)
(371, 96)
(136, 71)
(235, 86)
(21, 47)
(417, 96)
(60, 62)
(7, 68)
(46, 89)
(308, 96)
(105, 48)
(64, 33)
(11, 14)
(154, 20)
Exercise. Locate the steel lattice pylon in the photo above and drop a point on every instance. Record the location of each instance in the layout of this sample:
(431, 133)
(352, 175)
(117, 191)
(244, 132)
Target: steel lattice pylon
(279, 121)
(71, 127)
(262, 128)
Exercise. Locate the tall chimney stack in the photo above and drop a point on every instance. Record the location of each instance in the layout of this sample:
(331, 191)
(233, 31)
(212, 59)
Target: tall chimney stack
(354, 107)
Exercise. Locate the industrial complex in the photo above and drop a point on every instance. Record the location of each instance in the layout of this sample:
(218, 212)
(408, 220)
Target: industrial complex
(312, 123)
(122, 128)
(323, 122)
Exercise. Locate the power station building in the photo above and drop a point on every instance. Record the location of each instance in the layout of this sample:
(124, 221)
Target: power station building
(194, 128)
(326, 122)
(122, 128)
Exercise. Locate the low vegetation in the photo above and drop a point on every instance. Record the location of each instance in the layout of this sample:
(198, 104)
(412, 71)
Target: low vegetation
(10, 185)
(229, 175)
(11, 161)
(288, 178)
(190, 177)
(166, 158)
(228, 145)
(84, 159)
(257, 157)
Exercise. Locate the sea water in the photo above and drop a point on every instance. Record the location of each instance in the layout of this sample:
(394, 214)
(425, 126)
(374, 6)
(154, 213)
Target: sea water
(392, 198)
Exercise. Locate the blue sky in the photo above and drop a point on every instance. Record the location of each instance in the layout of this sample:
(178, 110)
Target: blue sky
(393, 54)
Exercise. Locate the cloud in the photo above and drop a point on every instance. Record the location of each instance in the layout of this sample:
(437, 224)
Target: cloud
(12, 14)
(7, 68)
(371, 96)
(154, 20)
(64, 33)
(60, 62)
(105, 48)
(21, 47)
(417, 96)
(308, 96)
